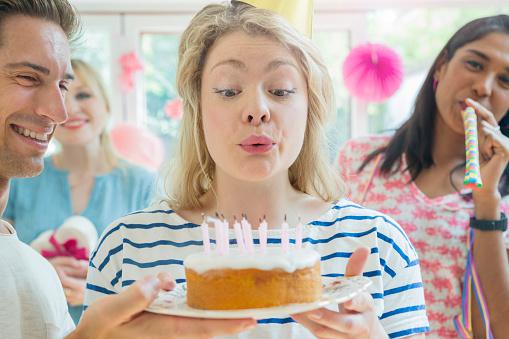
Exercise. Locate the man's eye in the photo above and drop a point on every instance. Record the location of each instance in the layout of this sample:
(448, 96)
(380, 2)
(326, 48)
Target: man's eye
(26, 78)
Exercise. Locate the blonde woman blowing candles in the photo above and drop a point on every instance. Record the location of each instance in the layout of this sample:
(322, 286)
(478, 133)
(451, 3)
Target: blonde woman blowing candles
(256, 95)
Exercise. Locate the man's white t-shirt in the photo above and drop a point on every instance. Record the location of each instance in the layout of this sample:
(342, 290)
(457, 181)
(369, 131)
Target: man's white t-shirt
(32, 301)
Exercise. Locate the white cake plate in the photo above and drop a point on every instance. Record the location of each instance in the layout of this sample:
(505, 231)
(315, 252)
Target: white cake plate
(335, 291)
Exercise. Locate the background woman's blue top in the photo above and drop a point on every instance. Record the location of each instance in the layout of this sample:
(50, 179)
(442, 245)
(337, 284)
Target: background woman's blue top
(43, 202)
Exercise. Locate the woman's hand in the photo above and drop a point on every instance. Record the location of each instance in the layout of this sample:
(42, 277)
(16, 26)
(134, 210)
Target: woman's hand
(74, 290)
(356, 318)
(72, 274)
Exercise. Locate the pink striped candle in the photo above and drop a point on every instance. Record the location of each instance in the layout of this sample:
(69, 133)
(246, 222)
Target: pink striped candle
(285, 237)
(226, 233)
(248, 236)
(218, 227)
(262, 231)
(238, 235)
(205, 235)
(298, 235)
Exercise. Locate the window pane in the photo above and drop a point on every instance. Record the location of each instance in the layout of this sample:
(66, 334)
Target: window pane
(93, 47)
(334, 47)
(159, 53)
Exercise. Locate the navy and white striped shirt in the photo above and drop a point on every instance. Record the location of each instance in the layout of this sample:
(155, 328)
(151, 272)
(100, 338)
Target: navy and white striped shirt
(157, 239)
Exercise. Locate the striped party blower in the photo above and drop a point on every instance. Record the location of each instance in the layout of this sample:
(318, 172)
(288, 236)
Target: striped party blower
(472, 168)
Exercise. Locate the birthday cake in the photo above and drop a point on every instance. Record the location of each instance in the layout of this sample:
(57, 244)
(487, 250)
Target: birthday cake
(262, 278)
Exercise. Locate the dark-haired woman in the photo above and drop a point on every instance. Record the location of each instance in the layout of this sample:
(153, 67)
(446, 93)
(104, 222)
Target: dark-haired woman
(416, 176)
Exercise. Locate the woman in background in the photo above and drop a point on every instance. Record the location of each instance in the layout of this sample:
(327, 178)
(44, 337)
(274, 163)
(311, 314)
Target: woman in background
(416, 176)
(84, 178)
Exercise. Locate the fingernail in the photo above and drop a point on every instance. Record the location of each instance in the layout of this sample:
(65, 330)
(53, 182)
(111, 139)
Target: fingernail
(315, 316)
(150, 287)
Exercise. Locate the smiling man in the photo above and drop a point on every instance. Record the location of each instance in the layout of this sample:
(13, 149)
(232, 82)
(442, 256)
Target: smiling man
(35, 72)
(32, 86)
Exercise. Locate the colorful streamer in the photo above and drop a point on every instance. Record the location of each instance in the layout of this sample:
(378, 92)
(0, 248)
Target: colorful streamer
(471, 285)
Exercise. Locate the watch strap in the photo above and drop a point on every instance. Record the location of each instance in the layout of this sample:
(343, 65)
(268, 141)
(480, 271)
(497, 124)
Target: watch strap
(490, 225)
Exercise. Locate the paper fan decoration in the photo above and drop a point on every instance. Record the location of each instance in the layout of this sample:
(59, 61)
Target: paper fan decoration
(372, 72)
(129, 64)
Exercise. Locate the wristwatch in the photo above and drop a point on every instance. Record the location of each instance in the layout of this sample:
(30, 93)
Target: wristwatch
(490, 225)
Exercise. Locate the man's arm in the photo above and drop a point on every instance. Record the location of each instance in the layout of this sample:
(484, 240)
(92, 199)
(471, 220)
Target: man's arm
(123, 316)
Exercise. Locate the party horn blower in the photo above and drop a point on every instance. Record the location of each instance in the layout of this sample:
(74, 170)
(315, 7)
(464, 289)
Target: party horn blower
(472, 168)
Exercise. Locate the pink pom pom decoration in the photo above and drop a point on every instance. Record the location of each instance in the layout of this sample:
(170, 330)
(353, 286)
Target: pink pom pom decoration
(138, 145)
(372, 72)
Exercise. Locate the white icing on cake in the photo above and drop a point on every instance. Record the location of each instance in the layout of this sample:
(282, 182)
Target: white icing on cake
(272, 258)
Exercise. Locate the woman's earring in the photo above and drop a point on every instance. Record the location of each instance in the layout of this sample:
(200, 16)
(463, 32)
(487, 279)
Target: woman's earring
(435, 83)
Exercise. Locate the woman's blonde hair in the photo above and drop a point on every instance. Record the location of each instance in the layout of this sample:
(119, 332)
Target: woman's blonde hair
(91, 78)
(193, 169)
